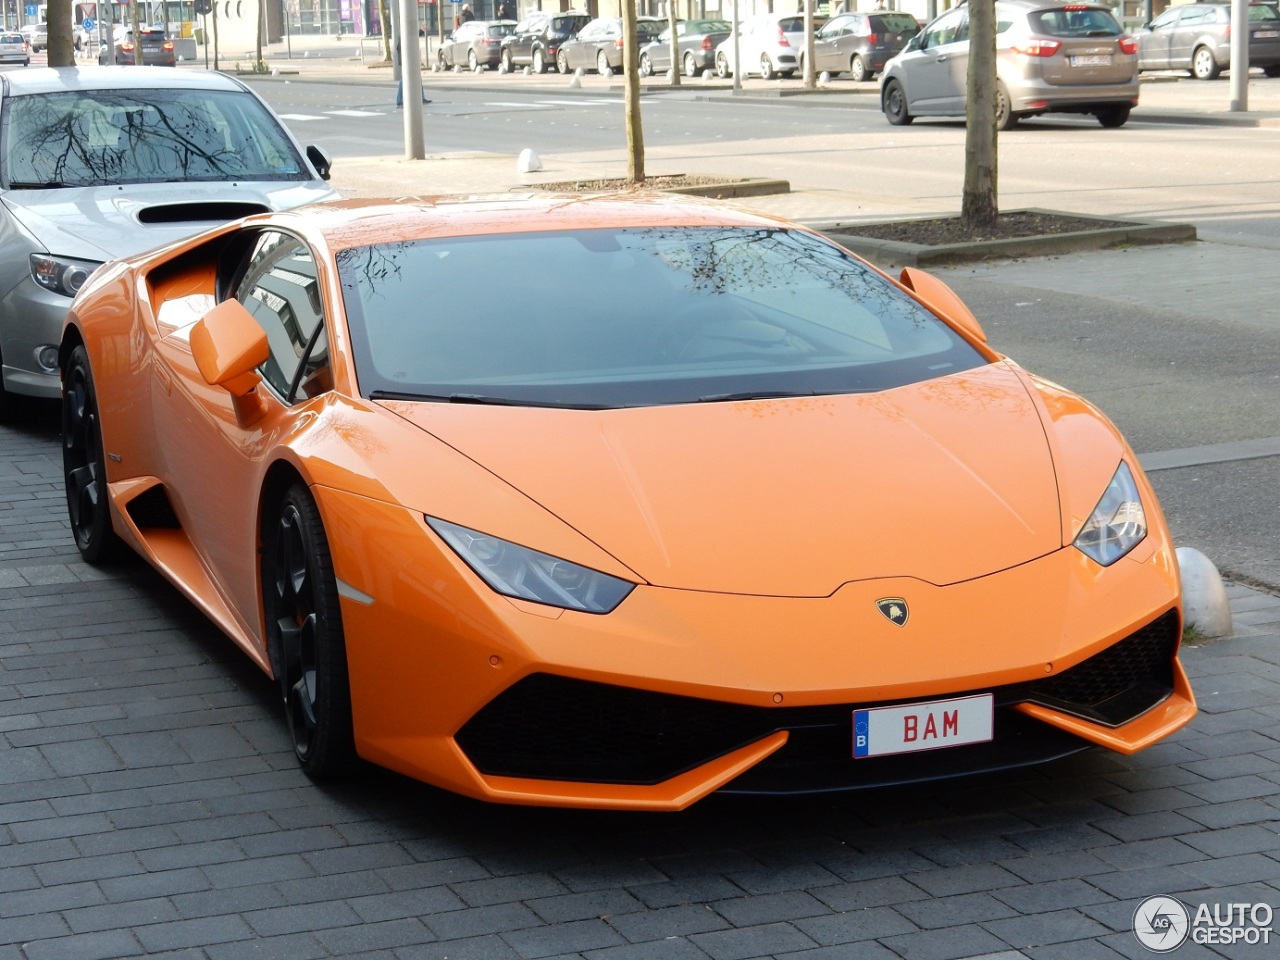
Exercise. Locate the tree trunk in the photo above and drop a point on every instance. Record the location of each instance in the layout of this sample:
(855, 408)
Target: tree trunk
(631, 75)
(60, 46)
(674, 44)
(385, 15)
(978, 206)
(136, 26)
(810, 77)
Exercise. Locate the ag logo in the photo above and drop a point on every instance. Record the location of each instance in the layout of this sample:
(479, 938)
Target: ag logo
(1161, 924)
(894, 610)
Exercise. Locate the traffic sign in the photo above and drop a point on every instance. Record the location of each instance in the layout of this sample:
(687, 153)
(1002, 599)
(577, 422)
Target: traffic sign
(88, 24)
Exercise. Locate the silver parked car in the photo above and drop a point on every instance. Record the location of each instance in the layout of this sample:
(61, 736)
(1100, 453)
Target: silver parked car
(100, 163)
(1197, 37)
(1052, 56)
(696, 40)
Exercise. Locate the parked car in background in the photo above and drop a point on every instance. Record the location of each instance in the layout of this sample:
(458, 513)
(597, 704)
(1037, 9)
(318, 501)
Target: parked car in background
(37, 35)
(536, 39)
(770, 45)
(99, 163)
(477, 43)
(1052, 57)
(598, 45)
(1197, 37)
(696, 39)
(156, 50)
(14, 48)
(860, 43)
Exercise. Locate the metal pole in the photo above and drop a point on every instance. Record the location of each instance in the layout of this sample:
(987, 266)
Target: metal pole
(737, 52)
(1240, 55)
(411, 78)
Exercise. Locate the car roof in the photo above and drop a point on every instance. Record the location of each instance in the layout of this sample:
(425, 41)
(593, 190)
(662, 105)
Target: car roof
(59, 79)
(363, 221)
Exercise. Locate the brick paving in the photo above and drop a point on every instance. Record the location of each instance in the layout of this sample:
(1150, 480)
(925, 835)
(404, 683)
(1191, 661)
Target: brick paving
(152, 807)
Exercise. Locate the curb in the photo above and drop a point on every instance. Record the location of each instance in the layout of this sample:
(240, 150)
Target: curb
(918, 255)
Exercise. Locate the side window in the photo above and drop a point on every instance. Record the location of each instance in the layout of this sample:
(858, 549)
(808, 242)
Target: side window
(280, 288)
(948, 28)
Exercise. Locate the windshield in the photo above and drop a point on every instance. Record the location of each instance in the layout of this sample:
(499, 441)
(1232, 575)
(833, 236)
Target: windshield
(96, 137)
(633, 317)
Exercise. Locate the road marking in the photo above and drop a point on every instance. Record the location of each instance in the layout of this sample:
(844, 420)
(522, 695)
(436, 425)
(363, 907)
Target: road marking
(354, 113)
(1210, 453)
(302, 116)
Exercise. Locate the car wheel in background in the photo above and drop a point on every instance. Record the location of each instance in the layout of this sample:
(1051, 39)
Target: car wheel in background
(894, 104)
(722, 66)
(444, 63)
(766, 67)
(507, 62)
(1114, 116)
(602, 64)
(1271, 71)
(646, 65)
(84, 466)
(1203, 64)
(1005, 117)
(304, 634)
(858, 69)
(540, 61)
(691, 68)
(472, 62)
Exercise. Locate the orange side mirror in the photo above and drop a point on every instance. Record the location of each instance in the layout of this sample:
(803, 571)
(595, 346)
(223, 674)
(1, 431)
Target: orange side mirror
(943, 300)
(228, 346)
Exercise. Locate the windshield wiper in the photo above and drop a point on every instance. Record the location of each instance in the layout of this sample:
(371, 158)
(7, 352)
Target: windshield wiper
(44, 185)
(480, 399)
(754, 395)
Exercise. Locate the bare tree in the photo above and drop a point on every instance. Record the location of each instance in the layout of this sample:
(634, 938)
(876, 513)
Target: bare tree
(135, 21)
(384, 13)
(978, 207)
(675, 43)
(810, 77)
(631, 74)
(61, 47)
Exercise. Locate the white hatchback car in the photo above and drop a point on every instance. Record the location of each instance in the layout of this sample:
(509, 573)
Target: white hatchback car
(99, 163)
(770, 44)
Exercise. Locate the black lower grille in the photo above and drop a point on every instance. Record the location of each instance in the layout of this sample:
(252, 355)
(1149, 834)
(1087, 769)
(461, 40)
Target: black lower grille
(547, 727)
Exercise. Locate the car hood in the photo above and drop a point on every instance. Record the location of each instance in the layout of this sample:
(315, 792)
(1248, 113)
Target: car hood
(945, 481)
(103, 223)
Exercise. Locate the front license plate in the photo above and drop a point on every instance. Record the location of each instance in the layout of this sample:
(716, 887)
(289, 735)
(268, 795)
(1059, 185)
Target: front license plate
(922, 726)
(1098, 60)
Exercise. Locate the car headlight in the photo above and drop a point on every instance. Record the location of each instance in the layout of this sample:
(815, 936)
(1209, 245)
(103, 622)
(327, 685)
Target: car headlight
(61, 274)
(516, 571)
(1118, 523)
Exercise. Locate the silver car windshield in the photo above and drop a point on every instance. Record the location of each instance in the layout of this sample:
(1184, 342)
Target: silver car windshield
(633, 317)
(97, 137)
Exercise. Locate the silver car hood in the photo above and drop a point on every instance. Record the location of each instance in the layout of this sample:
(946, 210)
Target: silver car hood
(102, 223)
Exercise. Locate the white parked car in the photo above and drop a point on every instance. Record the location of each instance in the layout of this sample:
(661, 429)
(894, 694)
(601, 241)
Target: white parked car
(770, 44)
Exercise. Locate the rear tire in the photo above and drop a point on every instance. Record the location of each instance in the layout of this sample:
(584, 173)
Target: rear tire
(722, 67)
(1203, 64)
(691, 68)
(766, 67)
(539, 61)
(602, 64)
(1006, 119)
(1271, 71)
(304, 635)
(858, 69)
(894, 104)
(646, 65)
(472, 61)
(1116, 116)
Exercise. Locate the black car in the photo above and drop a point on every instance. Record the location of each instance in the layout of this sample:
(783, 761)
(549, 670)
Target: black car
(537, 39)
(156, 49)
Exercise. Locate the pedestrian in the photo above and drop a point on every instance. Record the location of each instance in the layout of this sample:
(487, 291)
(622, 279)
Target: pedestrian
(466, 16)
(395, 56)
(505, 12)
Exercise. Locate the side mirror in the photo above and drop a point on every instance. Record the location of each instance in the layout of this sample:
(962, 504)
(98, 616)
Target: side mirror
(943, 300)
(228, 345)
(321, 160)
(913, 44)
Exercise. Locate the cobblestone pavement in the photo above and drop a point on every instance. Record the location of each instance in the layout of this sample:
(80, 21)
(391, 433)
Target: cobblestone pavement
(151, 807)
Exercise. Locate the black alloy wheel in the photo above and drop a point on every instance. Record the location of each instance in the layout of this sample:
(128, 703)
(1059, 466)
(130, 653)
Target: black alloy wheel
(894, 104)
(83, 464)
(305, 637)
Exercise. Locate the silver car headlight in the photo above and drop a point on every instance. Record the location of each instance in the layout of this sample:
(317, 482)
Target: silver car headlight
(1118, 523)
(516, 571)
(61, 274)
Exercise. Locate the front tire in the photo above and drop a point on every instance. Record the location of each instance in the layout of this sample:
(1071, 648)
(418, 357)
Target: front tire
(507, 62)
(894, 104)
(766, 68)
(1203, 65)
(602, 65)
(722, 66)
(646, 65)
(304, 635)
(84, 466)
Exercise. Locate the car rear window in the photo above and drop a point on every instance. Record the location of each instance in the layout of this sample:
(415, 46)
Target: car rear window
(658, 315)
(791, 24)
(1262, 11)
(894, 23)
(1074, 21)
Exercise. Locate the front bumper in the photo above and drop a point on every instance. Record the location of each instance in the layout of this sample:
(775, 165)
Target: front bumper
(677, 694)
(31, 321)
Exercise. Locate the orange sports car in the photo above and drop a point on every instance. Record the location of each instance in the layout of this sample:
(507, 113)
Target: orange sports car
(618, 501)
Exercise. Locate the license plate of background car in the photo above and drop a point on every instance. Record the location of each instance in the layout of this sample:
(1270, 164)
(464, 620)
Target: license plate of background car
(1266, 35)
(1096, 60)
(922, 726)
